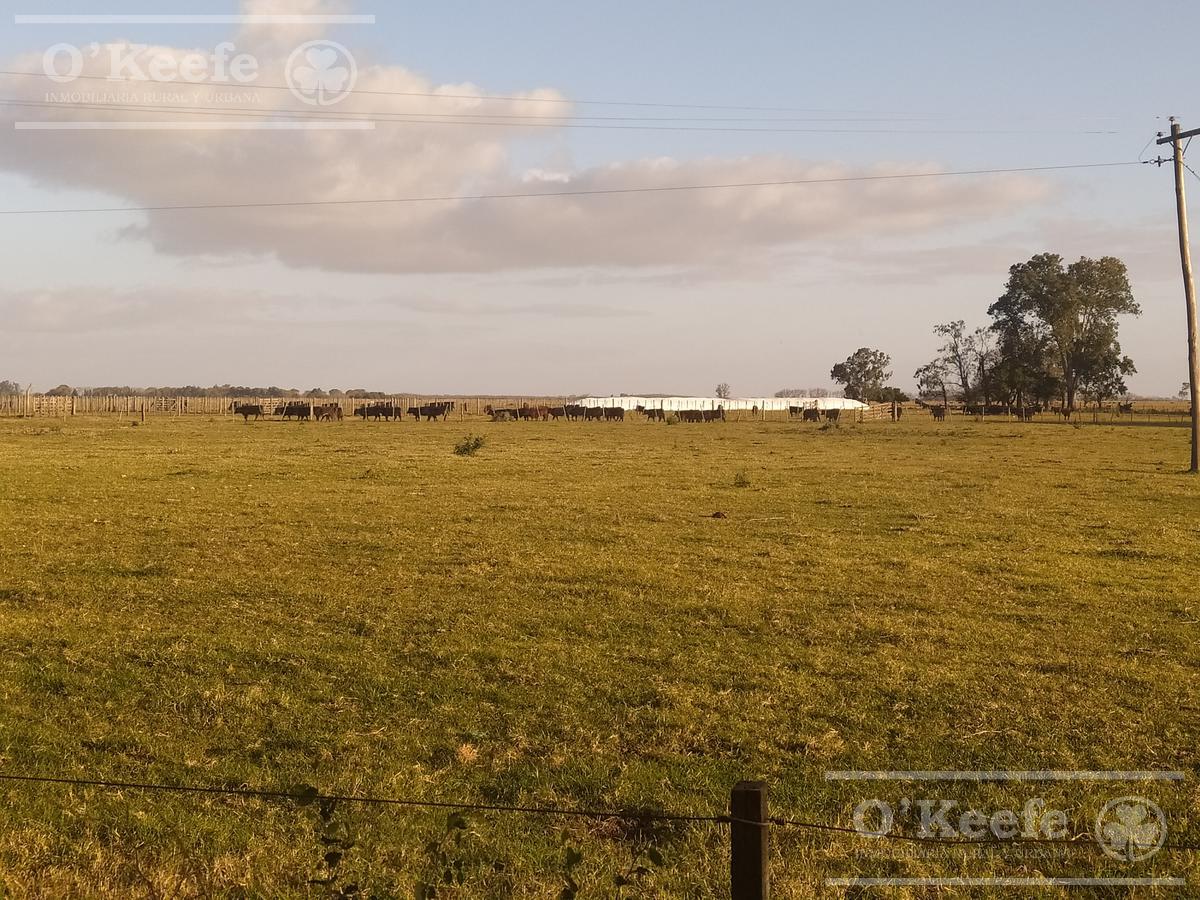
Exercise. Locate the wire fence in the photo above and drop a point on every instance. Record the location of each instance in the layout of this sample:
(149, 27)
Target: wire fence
(306, 794)
(748, 823)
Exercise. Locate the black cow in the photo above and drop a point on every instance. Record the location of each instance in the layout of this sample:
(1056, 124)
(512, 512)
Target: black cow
(574, 411)
(939, 413)
(246, 410)
(379, 411)
(614, 414)
(812, 415)
(714, 415)
(591, 413)
(832, 415)
(431, 411)
(295, 410)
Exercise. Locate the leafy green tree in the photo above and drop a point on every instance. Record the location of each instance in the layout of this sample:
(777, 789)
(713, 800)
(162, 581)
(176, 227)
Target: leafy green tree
(863, 373)
(1023, 368)
(1074, 310)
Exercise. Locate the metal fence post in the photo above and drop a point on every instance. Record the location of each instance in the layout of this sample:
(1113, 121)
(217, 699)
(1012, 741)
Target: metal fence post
(749, 875)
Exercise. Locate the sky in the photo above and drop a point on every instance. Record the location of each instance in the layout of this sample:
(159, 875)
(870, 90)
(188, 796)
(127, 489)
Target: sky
(763, 287)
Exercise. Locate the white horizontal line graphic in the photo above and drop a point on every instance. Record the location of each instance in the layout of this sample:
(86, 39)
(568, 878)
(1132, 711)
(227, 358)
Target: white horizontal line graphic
(197, 19)
(1004, 881)
(1007, 775)
(341, 125)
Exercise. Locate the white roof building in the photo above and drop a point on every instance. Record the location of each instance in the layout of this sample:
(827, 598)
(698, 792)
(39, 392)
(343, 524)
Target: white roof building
(746, 403)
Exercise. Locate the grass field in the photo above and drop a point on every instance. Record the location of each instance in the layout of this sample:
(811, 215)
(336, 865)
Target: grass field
(558, 620)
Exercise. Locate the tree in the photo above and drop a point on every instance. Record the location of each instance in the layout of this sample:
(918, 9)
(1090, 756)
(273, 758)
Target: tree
(932, 381)
(802, 392)
(965, 367)
(723, 391)
(1074, 310)
(863, 373)
(1023, 369)
(10, 387)
(63, 390)
(1183, 394)
(1103, 369)
(957, 355)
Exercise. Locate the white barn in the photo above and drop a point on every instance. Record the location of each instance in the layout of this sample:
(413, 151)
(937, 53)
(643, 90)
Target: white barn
(779, 404)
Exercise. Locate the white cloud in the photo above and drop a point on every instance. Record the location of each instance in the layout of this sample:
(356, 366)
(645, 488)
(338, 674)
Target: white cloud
(426, 158)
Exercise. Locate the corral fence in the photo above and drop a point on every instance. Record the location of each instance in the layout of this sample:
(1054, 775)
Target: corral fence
(772, 409)
(30, 405)
(1145, 412)
(37, 405)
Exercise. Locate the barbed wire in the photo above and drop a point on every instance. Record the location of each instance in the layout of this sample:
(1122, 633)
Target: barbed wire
(310, 795)
(307, 795)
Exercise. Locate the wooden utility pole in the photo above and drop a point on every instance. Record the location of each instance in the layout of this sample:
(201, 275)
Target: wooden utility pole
(1189, 287)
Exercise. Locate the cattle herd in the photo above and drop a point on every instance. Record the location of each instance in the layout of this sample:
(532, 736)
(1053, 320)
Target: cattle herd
(1021, 412)
(574, 412)
(332, 412)
(813, 415)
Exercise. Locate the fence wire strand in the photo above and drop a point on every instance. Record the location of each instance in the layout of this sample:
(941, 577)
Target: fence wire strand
(309, 795)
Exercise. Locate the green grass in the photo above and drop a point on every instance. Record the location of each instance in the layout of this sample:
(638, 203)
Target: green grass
(560, 620)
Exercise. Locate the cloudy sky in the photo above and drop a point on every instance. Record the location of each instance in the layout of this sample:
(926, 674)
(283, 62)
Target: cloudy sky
(763, 286)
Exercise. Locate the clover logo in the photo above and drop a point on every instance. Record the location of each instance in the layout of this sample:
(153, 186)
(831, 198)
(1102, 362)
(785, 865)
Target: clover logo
(320, 73)
(1131, 829)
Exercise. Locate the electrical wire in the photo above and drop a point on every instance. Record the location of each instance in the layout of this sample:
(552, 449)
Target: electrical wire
(585, 192)
(485, 121)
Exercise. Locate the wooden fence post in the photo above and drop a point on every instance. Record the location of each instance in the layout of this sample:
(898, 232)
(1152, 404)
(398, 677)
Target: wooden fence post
(749, 874)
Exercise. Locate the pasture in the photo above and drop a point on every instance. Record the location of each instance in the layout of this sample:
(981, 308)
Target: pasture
(560, 621)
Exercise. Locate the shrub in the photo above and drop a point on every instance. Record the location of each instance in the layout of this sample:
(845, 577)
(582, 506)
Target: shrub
(470, 445)
(741, 479)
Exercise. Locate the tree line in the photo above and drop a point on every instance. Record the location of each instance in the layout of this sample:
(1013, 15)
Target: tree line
(217, 390)
(1053, 338)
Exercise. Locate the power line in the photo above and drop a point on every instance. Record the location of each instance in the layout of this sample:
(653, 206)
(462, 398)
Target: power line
(587, 192)
(484, 120)
(484, 97)
(435, 95)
